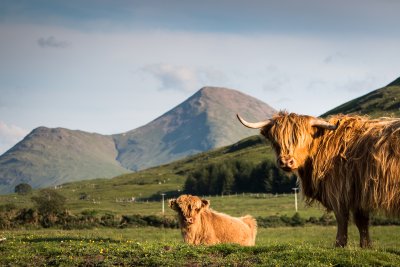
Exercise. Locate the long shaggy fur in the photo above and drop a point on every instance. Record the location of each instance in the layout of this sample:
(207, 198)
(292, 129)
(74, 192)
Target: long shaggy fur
(355, 167)
(361, 158)
(202, 225)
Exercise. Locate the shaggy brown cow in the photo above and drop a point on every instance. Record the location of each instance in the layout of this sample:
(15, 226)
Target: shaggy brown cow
(202, 225)
(348, 163)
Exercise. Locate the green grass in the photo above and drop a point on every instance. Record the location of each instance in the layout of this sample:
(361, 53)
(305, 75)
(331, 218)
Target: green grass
(303, 246)
(103, 193)
(236, 205)
(379, 103)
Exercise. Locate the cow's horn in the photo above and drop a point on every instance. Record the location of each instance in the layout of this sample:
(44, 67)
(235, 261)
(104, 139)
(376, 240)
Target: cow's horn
(253, 125)
(320, 123)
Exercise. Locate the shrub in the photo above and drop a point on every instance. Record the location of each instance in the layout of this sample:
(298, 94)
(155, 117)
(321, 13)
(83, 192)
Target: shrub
(296, 220)
(23, 189)
(150, 220)
(27, 216)
(49, 202)
(327, 219)
(108, 220)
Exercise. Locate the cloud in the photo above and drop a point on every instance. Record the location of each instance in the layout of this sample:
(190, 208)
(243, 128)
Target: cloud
(275, 80)
(187, 79)
(360, 84)
(10, 135)
(334, 58)
(51, 42)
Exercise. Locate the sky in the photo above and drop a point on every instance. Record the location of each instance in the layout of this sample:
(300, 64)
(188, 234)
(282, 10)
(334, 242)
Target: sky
(111, 66)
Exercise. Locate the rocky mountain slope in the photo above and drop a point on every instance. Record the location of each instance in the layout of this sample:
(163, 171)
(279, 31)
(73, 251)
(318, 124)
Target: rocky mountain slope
(205, 121)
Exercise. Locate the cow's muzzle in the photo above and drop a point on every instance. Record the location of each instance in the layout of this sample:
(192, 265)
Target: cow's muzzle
(189, 220)
(287, 163)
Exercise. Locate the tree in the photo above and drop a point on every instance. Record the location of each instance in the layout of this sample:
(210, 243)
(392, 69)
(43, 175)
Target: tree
(50, 205)
(23, 189)
(49, 202)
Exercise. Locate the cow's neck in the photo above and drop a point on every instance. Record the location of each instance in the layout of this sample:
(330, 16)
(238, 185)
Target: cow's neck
(307, 183)
(193, 234)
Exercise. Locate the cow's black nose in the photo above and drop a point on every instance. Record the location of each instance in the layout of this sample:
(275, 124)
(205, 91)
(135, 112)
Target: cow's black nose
(290, 162)
(281, 161)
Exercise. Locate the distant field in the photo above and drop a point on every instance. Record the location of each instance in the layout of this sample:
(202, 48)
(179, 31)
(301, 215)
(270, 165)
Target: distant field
(148, 246)
(301, 246)
(236, 205)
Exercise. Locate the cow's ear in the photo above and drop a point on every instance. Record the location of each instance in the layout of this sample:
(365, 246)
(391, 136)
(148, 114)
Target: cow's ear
(172, 204)
(205, 203)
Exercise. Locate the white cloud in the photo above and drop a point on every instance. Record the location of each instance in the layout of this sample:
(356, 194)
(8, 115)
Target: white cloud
(301, 73)
(187, 79)
(51, 42)
(10, 135)
(275, 80)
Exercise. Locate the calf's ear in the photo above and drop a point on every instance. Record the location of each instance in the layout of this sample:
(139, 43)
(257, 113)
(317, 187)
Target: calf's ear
(205, 203)
(172, 204)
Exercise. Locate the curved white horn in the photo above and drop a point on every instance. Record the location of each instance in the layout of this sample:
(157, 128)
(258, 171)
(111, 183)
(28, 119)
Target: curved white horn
(320, 123)
(253, 125)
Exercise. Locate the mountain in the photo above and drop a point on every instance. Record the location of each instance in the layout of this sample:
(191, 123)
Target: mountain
(381, 102)
(48, 157)
(206, 120)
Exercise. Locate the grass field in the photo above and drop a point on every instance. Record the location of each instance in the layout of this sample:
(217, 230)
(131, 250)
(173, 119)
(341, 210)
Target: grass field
(300, 246)
(148, 246)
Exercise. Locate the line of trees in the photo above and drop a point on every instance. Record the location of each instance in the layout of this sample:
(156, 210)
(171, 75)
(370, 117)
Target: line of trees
(235, 176)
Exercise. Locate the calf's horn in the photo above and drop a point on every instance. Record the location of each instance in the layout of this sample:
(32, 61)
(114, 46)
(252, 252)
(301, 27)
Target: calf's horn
(253, 125)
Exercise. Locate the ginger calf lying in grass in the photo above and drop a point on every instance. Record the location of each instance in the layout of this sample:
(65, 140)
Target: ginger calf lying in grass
(201, 225)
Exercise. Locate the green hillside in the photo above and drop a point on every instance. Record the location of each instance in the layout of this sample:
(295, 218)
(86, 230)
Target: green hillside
(379, 103)
(112, 195)
(48, 157)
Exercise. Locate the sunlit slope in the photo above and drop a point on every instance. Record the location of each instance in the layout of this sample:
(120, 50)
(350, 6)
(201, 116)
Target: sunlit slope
(378, 103)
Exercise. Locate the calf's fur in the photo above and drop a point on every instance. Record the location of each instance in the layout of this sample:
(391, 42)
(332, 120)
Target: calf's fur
(201, 225)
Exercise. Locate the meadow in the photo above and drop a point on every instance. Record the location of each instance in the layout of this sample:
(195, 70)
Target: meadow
(294, 246)
(308, 245)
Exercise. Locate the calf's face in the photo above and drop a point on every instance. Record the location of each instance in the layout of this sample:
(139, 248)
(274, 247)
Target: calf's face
(188, 207)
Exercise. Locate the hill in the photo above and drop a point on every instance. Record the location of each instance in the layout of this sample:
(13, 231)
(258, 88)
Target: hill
(205, 121)
(378, 103)
(48, 157)
(148, 183)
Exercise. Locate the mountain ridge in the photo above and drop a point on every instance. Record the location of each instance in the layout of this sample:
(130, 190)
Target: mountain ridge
(51, 156)
(194, 126)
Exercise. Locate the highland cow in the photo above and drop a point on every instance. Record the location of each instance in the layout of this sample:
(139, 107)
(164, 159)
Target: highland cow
(350, 164)
(201, 225)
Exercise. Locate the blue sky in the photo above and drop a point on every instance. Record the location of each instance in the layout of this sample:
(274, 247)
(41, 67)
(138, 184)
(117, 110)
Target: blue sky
(111, 66)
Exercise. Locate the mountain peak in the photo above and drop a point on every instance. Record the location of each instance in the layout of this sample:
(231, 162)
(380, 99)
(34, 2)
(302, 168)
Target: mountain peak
(206, 120)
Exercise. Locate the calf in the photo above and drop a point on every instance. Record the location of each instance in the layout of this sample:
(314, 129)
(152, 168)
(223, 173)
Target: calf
(201, 225)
